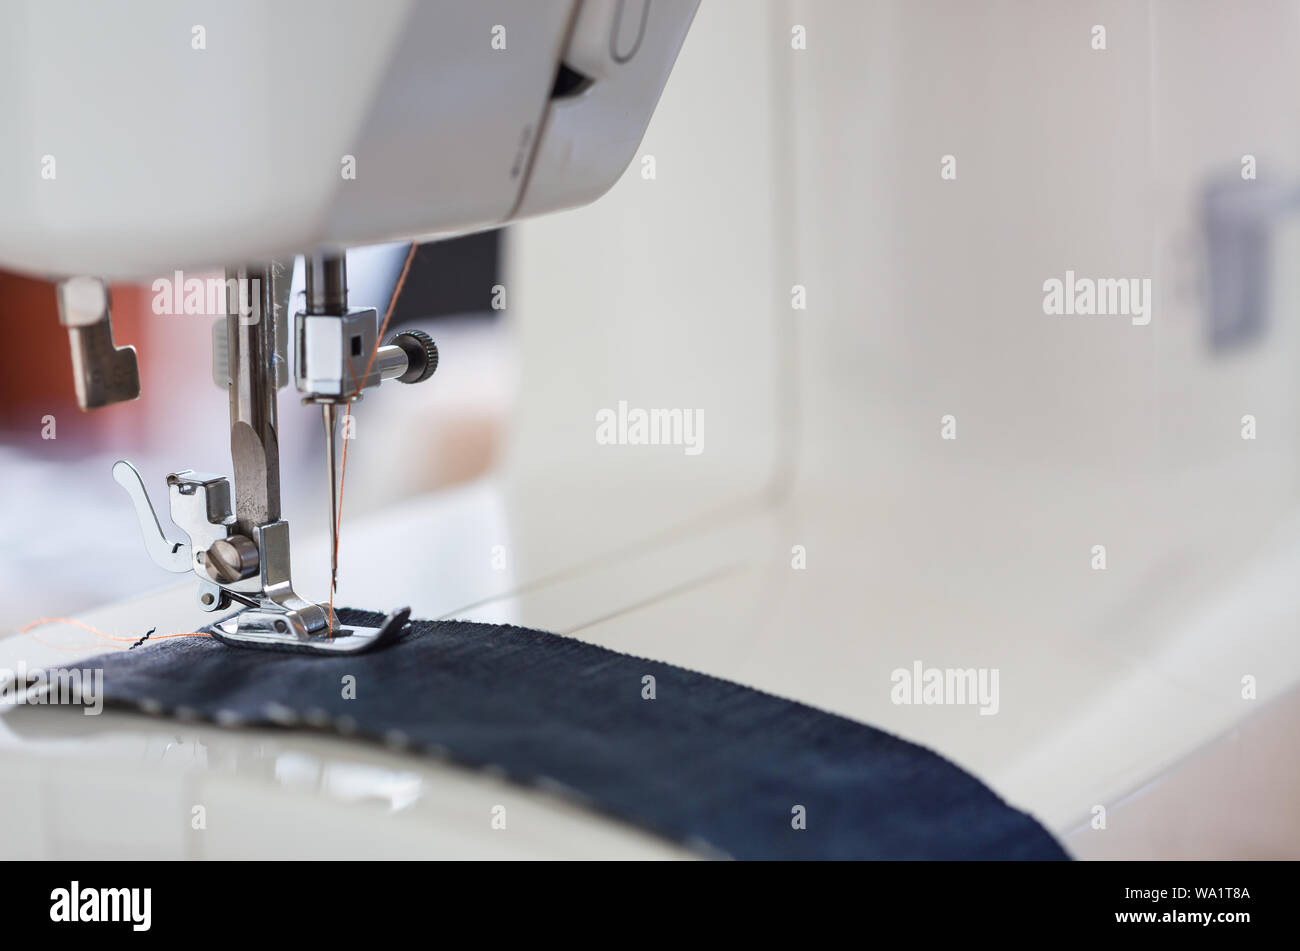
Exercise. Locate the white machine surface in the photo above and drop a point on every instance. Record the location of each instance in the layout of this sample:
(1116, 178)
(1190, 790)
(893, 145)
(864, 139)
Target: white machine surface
(817, 167)
(198, 136)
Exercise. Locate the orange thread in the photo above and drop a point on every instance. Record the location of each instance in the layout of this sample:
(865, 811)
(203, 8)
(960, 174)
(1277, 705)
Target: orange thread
(39, 622)
(388, 315)
(343, 466)
(338, 519)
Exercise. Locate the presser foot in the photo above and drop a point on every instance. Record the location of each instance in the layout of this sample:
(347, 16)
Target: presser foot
(277, 629)
(252, 569)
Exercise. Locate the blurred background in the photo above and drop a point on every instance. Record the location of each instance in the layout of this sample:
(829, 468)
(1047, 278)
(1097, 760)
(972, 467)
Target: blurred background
(775, 168)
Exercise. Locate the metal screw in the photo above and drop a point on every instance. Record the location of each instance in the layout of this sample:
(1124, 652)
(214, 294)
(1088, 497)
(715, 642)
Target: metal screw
(231, 559)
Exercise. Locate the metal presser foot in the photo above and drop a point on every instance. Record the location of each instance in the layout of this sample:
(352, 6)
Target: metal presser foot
(234, 568)
(343, 640)
(242, 556)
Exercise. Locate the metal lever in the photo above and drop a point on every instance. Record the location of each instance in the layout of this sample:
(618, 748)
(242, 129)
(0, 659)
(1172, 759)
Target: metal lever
(200, 507)
(167, 554)
(104, 373)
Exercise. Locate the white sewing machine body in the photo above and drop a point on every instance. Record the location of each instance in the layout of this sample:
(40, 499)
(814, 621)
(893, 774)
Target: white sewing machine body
(828, 532)
(215, 133)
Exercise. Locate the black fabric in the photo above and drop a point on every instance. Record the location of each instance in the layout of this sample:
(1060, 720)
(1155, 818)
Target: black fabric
(708, 763)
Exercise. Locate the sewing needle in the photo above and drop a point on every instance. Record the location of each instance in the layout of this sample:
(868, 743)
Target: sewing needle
(329, 415)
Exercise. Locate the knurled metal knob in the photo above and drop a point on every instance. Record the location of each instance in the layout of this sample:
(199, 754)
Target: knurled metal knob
(421, 355)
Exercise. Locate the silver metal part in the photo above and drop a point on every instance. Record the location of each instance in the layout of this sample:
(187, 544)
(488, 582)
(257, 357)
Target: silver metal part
(200, 507)
(166, 554)
(325, 276)
(334, 353)
(103, 373)
(281, 283)
(212, 597)
(240, 552)
(277, 607)
(221, 353)
(329, 413)
(221, 342)
(276, 612)
(254, 442)
(334, 341)
(231, 559)
(391, 362)
(342, 640)
(334, 361)
(282, 619)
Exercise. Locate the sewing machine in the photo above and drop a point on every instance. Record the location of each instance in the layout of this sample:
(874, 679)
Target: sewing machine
(828, 533)
(389, 120)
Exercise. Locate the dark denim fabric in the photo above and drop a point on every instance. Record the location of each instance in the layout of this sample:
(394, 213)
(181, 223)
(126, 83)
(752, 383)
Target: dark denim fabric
(708, 763)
